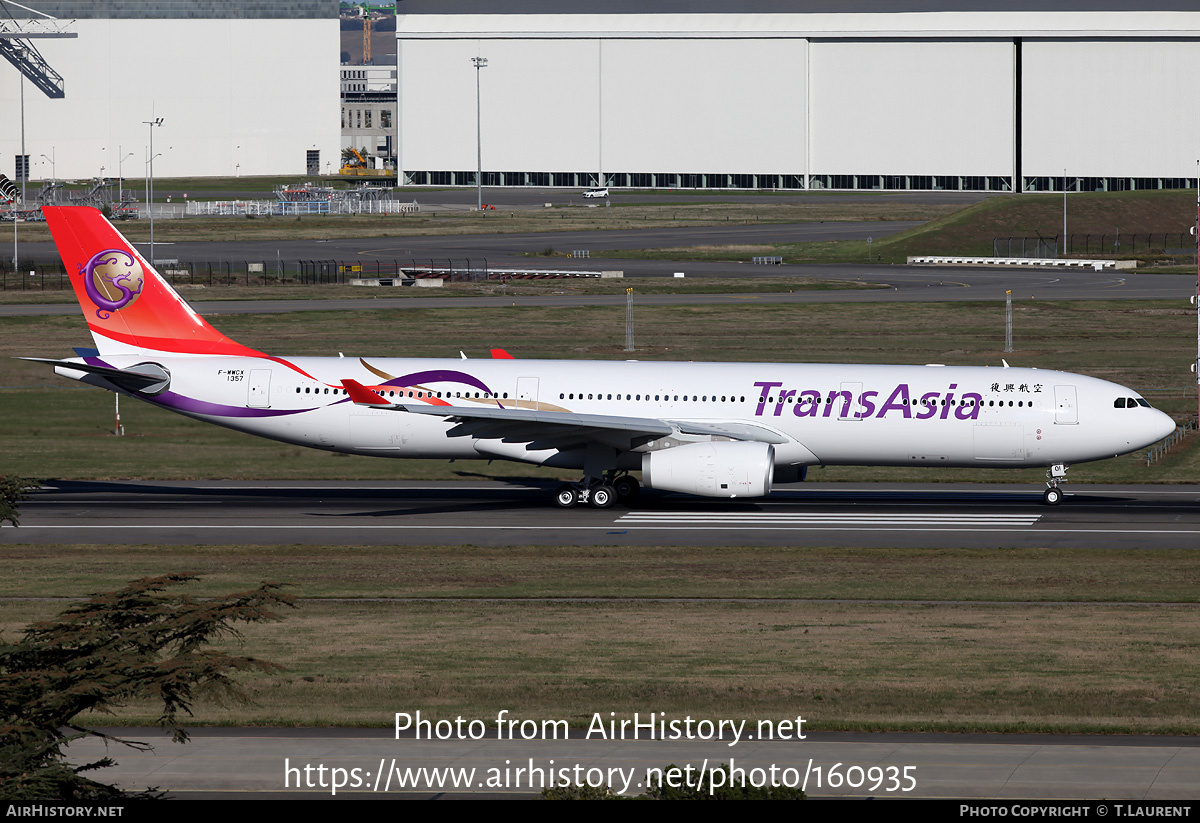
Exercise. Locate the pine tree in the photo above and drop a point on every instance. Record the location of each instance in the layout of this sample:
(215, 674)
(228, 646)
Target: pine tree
(133, 643)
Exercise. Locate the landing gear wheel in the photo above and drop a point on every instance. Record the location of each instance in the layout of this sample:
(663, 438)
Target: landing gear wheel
(603, 496)
(1052, 496)
(566, 497)
(626, 487)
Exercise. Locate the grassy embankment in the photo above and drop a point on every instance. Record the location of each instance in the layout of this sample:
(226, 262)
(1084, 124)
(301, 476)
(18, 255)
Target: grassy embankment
(970, 231)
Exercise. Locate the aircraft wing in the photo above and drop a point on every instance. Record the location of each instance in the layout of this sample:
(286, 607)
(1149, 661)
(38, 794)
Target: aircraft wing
(551, 429)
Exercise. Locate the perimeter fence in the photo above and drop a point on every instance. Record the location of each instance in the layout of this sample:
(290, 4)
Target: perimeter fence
(214, 274)
(1116, 244)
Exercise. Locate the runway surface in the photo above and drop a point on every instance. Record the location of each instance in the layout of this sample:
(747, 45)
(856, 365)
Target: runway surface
(224, 763)
(497, 514)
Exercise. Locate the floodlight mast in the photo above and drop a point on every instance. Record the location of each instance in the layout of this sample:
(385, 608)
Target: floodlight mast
(480, 63)
(158, 121)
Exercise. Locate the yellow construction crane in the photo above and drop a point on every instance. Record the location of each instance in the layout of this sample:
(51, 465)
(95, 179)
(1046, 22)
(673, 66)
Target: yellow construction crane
(364, 11)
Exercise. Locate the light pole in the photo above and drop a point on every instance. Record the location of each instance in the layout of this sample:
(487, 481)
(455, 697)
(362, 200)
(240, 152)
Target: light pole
(24, 164)
(20, 53)
(53, 166)
(480, 63)
(1063, 251)
(120, 177)
(158, 121)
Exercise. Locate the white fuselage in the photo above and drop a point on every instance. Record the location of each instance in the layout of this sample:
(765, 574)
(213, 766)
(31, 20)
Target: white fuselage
(823, 413)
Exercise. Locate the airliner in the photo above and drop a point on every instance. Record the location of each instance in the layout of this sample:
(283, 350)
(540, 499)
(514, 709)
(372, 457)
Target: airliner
(712, 429)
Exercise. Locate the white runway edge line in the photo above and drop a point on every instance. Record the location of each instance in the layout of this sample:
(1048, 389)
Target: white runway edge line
(811, 518)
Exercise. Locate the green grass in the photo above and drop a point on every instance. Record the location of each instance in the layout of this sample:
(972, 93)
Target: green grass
(1043, 648)
(1038, 575)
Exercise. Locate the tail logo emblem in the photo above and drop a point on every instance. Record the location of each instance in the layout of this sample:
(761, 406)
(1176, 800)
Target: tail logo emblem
(113, 279)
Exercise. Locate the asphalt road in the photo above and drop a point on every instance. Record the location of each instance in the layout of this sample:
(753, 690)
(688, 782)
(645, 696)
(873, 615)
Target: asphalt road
(486, 512)
(269, 763)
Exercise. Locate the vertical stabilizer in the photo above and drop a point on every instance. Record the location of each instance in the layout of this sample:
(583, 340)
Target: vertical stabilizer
(128, 306)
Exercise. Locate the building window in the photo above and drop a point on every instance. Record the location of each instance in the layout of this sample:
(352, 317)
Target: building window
(385, 118)
(367, 119)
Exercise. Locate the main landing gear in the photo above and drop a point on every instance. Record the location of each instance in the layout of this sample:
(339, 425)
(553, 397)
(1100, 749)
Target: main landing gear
(600, 493)
(1055, 475)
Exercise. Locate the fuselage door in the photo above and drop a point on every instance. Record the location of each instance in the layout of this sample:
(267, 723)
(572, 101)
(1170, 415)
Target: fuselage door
(1066, 409)
(527, 392)
(259, 389)
(853, 409)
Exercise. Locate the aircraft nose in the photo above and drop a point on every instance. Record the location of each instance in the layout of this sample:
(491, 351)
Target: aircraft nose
(1162, 425)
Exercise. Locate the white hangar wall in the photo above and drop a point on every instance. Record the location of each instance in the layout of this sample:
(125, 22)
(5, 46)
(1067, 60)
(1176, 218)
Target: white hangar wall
(943, 108)
(619, 105)
(539, 106)
(702, 106)
(924, 97)
(1104, 108)
(237, 96)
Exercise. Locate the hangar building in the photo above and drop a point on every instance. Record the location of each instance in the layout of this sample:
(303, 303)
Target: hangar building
(247, 87)
(792, 94)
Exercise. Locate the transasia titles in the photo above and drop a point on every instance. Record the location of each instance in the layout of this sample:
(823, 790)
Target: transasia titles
(773, 398)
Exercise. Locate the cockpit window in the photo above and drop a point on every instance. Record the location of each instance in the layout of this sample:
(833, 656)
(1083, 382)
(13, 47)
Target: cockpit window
(1120, 404)
(1142, 402)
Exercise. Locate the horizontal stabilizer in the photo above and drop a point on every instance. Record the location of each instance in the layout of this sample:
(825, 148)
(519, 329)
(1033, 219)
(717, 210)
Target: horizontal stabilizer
(144, 378)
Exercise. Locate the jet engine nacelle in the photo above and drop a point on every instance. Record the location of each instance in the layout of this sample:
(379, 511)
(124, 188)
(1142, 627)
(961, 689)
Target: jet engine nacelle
(726, 468)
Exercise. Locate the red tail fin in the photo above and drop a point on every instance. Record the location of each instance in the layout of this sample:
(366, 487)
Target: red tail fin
(128, 305)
